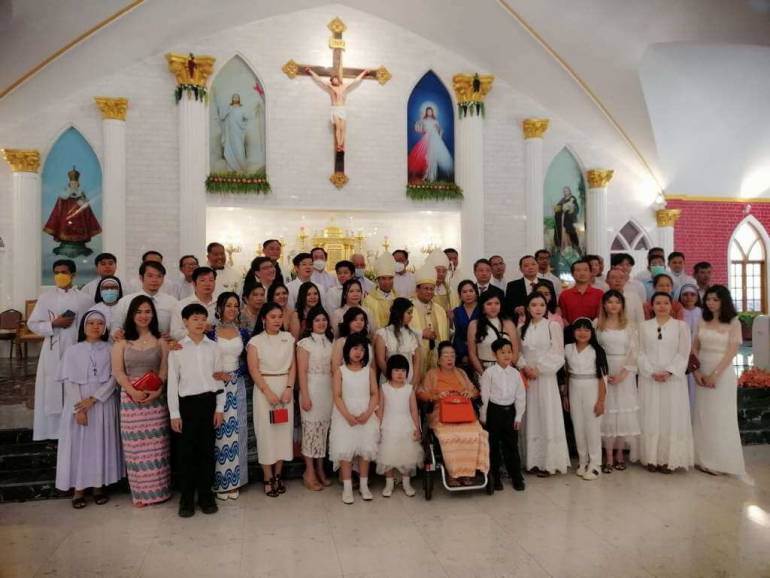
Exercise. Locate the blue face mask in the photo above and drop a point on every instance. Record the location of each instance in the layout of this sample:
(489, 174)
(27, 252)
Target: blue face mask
(110, 296)
(657, 270)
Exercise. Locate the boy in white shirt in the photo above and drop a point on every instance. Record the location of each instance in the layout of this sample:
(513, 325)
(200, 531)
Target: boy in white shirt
(503, 402)
(196, 403)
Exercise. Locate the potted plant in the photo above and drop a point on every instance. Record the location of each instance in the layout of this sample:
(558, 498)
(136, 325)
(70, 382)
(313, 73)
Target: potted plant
(747, 322)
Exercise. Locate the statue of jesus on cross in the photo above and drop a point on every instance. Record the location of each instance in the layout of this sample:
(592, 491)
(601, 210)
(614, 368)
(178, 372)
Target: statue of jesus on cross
(338, 91)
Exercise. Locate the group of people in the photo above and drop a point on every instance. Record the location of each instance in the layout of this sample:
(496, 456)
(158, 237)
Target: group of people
(640, 363)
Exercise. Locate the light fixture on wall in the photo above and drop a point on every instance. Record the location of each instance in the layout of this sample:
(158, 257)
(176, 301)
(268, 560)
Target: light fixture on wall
(660, 201)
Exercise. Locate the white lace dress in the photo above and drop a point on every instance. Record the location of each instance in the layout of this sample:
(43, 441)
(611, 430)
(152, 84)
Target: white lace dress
(315, 423)
(621, 406)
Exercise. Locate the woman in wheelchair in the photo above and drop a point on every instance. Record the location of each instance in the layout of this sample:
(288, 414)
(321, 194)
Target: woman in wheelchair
(464, 446)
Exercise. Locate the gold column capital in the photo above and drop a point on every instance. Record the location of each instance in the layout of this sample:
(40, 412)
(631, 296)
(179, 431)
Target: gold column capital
(599, 178)
(22, 160)
(472, 88)
(190, 70)
(534, 127)
(112, 108)
(667, 217)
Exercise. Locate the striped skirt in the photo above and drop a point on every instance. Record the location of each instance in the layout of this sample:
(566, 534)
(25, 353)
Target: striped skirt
(231, 468)
(464, 446)
(144, 430)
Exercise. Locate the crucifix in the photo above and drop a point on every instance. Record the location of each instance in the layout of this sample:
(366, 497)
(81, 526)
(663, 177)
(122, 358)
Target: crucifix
(337, 91)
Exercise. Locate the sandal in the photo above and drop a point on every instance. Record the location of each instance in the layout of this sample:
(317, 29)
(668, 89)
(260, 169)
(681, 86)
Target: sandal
(101, 498)
(620, 466)
(279, 487)
(606, 469)
(270, 490)
(652, 468)
(79, 503)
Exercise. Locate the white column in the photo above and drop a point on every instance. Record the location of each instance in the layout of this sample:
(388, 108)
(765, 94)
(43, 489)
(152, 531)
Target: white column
(596, 213)
(534, 129)
(470, 91)
(114, 176)
(26, 243)
(191, 74)
(667, 219)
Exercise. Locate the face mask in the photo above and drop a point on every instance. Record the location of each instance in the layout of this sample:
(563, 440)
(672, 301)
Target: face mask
(400, 267)
(360, 272)
(657, 270)
(319, 264)
(110, 296)
(62, 280)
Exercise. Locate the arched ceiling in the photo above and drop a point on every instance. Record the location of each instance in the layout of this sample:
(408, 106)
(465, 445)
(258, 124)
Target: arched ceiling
(578, 58)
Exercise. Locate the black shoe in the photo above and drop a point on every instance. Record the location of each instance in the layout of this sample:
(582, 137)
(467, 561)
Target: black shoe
(519, 485)
(208, 506)
(186, 510)
(498, 484)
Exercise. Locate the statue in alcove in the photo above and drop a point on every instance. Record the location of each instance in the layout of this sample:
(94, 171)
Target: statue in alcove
(72, 223)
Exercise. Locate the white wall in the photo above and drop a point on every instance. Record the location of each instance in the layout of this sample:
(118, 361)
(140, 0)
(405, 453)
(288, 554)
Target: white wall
(298, 133)
(710, 111)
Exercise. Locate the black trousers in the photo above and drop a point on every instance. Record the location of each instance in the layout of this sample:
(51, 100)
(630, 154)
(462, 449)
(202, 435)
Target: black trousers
(196, 447)
(503, 439)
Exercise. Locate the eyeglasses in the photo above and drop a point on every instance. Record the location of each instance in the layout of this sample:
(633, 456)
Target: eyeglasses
(660, 333)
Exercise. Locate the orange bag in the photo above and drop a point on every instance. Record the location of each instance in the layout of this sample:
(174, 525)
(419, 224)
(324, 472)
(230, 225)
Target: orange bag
(456, 409)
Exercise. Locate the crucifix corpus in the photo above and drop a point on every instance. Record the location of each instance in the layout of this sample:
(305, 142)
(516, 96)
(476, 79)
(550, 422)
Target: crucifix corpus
(337, 90)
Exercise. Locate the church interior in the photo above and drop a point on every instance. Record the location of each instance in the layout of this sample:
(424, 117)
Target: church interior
(397, 139)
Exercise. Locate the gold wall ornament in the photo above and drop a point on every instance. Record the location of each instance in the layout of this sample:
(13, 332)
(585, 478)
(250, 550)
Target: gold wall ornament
(534, 127)
(337, 243)
(22, 160)
(599, 179)
(470, 92)
(339, 179)
(189, 69)
(667, 217)
(290, 69)
(112, 108)
(337, 26)
(383, 75)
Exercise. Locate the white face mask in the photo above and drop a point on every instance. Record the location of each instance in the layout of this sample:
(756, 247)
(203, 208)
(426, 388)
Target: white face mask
(360, 272)
(400, 267)
(319, 264)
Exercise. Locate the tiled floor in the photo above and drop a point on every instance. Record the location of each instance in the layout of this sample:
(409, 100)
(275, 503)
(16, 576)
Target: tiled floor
(626, 524)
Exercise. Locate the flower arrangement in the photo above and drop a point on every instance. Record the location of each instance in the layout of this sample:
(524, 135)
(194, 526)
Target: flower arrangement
(238, 183)
(754, 377)
(192, 91)
(439, 190)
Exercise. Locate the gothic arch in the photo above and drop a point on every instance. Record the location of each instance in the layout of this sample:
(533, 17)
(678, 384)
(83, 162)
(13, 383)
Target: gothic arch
(747, 272)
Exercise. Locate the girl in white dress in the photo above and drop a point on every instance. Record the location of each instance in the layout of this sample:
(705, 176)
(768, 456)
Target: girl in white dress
(620, 341)
(354, 322)
(400, 447)
(355, 430)
(542, 348)
(664, 349)
(488, 328)
(270, 356)
(314, 354)
(715, 423)
(587, 388)
(692, 312)
(352, 296)
(398, 338)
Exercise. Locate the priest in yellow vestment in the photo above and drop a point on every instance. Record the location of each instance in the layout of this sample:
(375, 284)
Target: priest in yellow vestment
(379, 299)
(445, 295)
(429, 319)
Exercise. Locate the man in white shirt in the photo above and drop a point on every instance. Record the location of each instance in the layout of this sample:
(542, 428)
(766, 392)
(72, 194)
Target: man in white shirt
(320, 276)
(303, 265)
(652, 254)
(333, 299)
(616, 279)
(543, 258)
(196, 402)
(503, 403)
(676, 267)
(106, 265)
(184, 285)
(499, 279)
(359, 262)
(403, 282)
(204, 280)
(625, 263)
(228, 278)
(152, 275)
(134, 285)
(702, 274)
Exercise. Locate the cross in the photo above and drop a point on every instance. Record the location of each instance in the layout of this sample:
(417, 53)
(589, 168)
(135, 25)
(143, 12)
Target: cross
(337, 44)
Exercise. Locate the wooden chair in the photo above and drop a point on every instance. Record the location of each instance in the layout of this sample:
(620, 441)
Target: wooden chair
(24, 335)
(9, 325)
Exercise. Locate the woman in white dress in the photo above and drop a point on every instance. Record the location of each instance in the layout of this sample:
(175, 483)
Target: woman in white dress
(620, 341)
(352, 296)
(542, 356)
(693, 313)
(270, 355)
(354, 322)
(398, 338)
(308, 297)
(488, 328)
(355, 430)
(279, 293)
(715, 423)
(314, 354)
(664, 349)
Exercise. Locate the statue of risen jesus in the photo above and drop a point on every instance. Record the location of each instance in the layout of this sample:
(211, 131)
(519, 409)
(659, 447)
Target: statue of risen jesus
(338, 93)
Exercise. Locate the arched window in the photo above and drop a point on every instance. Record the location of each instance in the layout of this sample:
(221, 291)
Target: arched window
(630, 238)
(747, 268)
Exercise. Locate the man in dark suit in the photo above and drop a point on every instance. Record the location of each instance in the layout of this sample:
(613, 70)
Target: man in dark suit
(517, 291)
(482, 271)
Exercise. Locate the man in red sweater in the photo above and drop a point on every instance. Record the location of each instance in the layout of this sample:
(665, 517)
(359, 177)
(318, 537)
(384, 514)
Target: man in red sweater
(582, 300)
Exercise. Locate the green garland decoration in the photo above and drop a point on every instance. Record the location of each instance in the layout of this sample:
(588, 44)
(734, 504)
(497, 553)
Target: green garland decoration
(436, 191)
(238, 183)
(472, 107)
(192, 91)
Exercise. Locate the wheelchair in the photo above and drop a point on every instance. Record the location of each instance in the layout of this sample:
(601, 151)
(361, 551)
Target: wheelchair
(434, 463)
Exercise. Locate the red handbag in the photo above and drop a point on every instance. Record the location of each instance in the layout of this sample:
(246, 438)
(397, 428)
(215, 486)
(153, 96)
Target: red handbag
(148, 382)
(456, 409)
(279, 415)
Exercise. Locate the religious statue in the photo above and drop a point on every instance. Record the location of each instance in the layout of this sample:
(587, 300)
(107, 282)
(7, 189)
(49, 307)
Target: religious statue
(72, 223)
(234, 126)
(338, 91)
(429, 157)
(565, 215)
